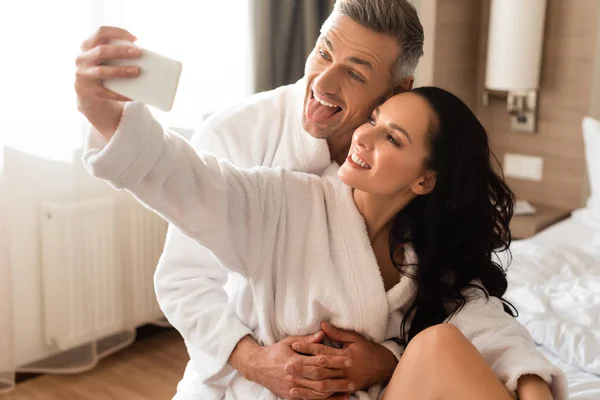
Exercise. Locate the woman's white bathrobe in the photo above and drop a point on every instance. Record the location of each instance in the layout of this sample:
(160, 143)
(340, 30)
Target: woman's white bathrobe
(301, 243)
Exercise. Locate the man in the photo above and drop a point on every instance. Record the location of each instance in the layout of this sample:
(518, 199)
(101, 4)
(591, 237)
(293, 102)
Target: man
(367, 51)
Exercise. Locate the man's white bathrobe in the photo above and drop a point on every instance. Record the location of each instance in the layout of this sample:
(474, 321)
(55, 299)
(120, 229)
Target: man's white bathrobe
(302, 245)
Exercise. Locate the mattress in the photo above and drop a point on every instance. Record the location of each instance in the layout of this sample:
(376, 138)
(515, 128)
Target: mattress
(554, 281)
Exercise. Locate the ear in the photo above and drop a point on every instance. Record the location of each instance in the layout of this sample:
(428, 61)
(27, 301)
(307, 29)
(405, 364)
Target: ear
(425, 184)
(405, 85)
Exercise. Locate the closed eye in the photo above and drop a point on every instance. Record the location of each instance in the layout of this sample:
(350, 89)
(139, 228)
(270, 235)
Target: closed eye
(371, 121)
(393, 141)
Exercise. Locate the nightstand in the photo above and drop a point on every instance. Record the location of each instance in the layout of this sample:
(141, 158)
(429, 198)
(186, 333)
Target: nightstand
(524, 226)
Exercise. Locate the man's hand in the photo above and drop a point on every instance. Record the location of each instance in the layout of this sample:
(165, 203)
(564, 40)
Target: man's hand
(102, 107)
(268, 367)
(370, 363)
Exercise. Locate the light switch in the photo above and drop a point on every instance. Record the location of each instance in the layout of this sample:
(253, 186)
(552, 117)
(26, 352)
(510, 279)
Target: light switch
(523, 167)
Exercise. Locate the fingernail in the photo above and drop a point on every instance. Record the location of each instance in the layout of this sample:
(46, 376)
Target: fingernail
(348, 363)
(132, 70)
(133, 51)
(317, 334)
(295, 346)
(351, 386)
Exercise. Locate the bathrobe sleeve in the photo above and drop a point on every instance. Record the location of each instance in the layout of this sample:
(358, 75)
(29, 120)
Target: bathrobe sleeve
(505, 344)
(189, 281)
(229, 210)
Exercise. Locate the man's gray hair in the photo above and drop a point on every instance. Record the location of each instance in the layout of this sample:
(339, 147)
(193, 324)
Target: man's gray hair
(397, 18)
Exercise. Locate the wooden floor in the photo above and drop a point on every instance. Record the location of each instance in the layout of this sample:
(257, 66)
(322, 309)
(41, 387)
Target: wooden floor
(147, 370)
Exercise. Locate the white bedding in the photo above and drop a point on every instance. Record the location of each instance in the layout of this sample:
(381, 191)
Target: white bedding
(554, 282)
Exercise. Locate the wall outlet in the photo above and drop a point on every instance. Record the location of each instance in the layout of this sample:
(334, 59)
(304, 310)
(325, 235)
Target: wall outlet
(523, 167)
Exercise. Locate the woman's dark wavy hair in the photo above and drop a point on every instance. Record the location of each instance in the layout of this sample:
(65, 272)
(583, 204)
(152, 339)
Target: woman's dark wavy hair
(456, 228)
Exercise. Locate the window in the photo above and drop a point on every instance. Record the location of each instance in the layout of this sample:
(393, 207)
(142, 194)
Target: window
(41, 38)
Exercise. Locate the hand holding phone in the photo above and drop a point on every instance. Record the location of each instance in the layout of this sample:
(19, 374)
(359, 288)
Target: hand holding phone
(155, 85)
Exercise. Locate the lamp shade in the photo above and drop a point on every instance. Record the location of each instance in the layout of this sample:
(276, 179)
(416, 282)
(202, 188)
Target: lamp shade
(515, 44)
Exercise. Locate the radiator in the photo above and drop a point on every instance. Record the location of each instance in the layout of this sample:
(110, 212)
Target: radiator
(98, 259)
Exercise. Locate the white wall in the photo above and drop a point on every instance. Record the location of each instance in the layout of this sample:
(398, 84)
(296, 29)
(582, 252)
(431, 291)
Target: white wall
(427, 15)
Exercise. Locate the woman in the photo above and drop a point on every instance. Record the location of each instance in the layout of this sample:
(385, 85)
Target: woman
(399, 244)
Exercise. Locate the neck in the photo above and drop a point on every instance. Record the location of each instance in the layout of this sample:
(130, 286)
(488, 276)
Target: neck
(379, 211)
(339, 146)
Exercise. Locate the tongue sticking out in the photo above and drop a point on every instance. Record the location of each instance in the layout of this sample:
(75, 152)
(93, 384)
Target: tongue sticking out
(317, 112)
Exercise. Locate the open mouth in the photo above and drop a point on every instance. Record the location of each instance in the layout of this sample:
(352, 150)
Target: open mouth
(355, 160)
(320, 110)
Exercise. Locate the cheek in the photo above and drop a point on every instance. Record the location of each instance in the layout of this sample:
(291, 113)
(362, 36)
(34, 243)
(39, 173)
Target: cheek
(360, 104)
(395, 169)
(312, 66)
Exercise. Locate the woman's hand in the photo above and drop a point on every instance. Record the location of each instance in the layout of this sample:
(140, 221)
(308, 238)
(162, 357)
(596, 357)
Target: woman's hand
(102, 107)
(532, 387)
(371, 362)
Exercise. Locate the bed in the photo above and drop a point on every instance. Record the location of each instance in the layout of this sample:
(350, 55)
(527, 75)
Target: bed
(554, 281)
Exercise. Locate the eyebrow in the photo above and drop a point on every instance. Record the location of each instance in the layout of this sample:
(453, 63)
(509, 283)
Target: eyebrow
(360, 61)
(396, 127)
(354, 60)
(328, 43)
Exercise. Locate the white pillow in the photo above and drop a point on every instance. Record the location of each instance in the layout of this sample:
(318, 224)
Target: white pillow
(591, 139)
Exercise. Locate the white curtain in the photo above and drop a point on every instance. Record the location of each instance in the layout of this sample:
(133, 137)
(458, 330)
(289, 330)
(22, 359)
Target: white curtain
(41, 130)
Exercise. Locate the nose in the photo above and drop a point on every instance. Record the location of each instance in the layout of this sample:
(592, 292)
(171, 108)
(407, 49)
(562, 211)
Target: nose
(363, 137)
(329, 81)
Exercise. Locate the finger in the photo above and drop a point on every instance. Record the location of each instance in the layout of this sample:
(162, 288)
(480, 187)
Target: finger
(307, 394)
(339, 335)
(331, 362)
(104, 52)
(314, 338)
(104, 72)
(106, 33)
(315, 373)
(316, 349)
(305, 388)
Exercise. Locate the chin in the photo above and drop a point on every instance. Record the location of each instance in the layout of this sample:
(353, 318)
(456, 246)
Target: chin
(318, 131)
(347, 175)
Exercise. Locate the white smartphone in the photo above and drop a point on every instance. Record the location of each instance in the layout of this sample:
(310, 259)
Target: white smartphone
(156, 85)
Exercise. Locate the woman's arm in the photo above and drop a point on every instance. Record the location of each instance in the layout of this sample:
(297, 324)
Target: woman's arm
(230, 211)
(507, 347)
(532, 387)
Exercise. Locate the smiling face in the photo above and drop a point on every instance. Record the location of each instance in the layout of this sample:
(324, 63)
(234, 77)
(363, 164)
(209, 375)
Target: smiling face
(388, 155)
(348, 73)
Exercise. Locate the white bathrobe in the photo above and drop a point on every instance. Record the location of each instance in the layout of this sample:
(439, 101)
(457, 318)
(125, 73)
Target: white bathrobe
(301, 243)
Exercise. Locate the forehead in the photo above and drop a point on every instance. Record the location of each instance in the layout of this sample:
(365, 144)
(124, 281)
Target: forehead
(351, 39)
(409, 111)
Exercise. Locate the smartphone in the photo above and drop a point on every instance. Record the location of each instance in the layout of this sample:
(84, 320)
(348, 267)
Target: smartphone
(156, 85)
